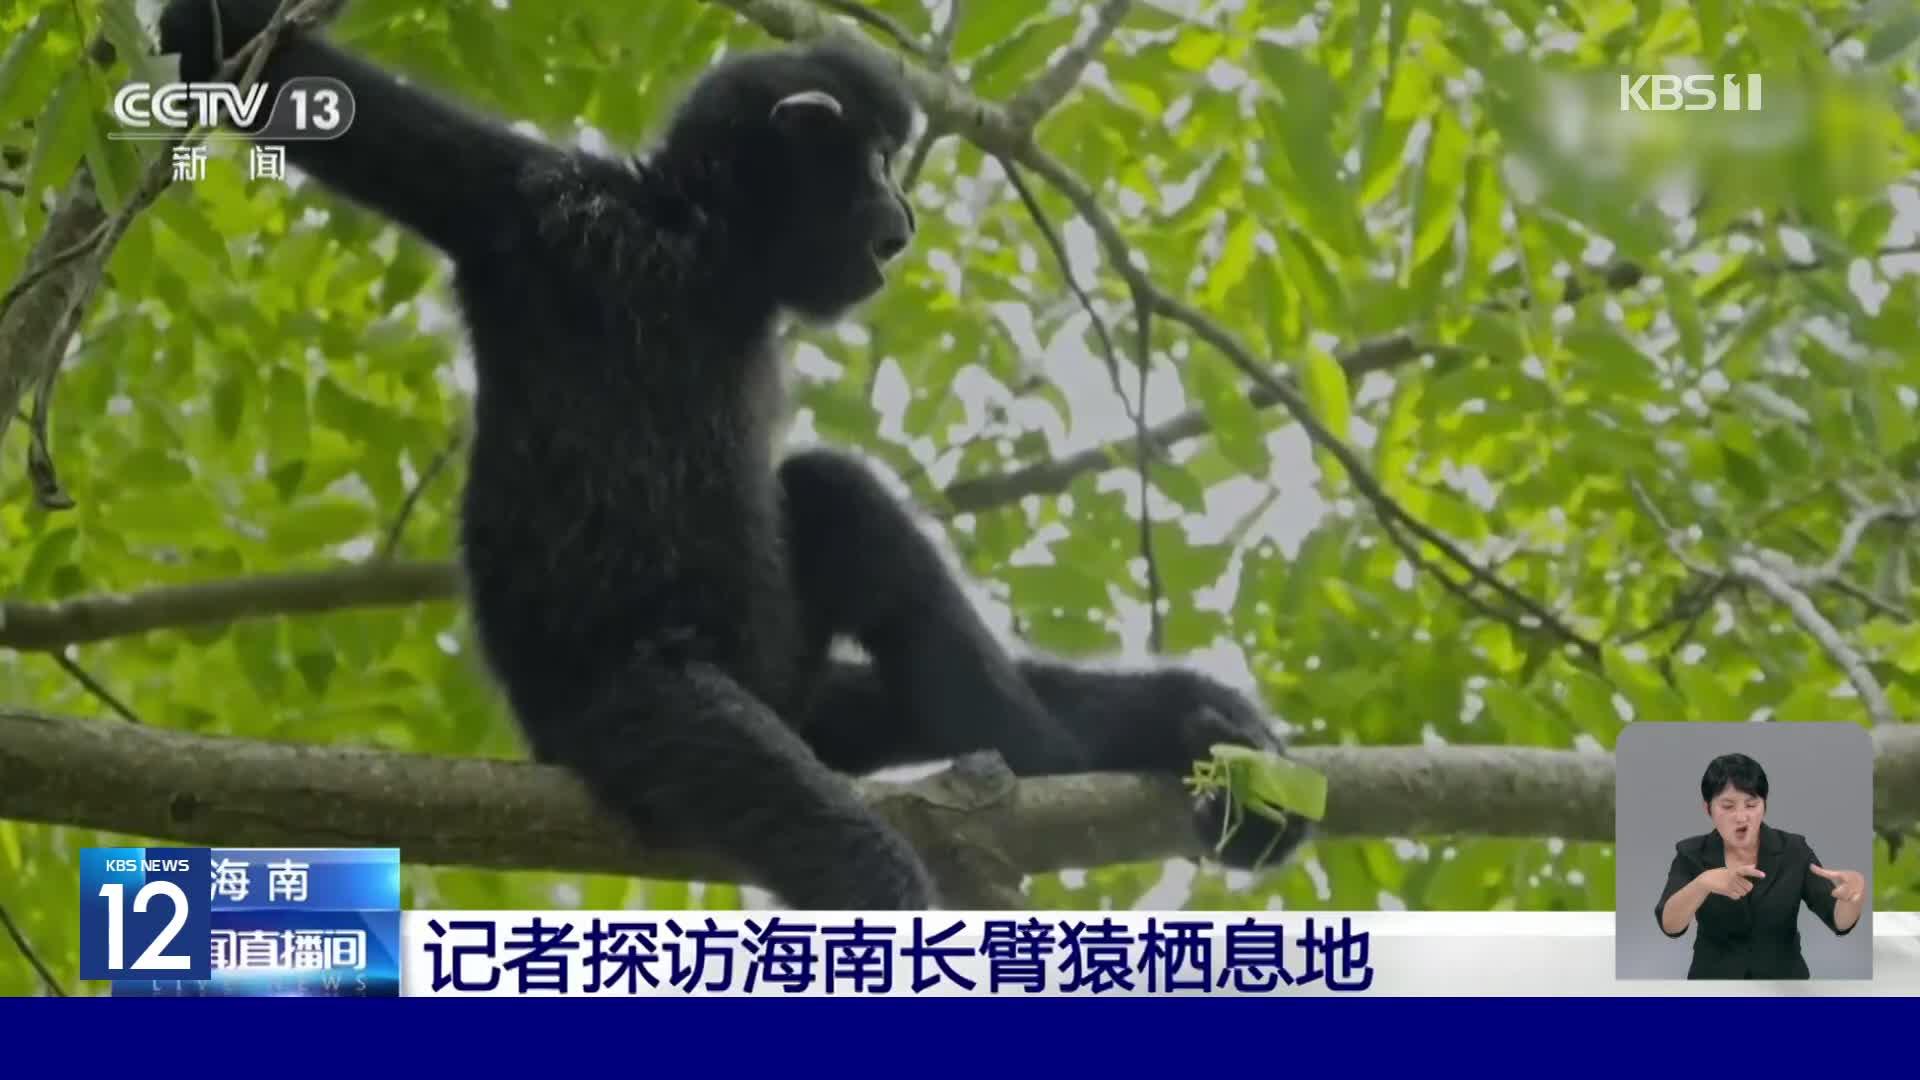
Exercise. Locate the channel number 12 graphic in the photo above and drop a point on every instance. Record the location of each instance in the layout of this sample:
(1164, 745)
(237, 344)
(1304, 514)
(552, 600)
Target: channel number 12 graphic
(145, 913)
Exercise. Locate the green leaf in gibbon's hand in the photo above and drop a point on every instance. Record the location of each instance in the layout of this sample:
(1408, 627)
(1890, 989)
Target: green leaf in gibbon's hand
(1271, 785)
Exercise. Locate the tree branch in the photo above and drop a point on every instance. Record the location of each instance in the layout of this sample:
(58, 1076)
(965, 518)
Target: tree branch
(1775, 583)
(49, 627)
(26, 950)
(512, 815)
(879, 20)
(1789, 585)
(1052, 477)
(1052, 87)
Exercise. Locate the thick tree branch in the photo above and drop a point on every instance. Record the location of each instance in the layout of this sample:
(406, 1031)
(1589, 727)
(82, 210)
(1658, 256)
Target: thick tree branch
(196, 789)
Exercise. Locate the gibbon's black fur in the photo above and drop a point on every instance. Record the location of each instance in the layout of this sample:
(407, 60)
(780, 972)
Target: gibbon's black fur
(653, 590)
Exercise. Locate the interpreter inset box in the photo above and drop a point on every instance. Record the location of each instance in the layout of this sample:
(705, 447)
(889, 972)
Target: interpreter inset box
(1743, 851)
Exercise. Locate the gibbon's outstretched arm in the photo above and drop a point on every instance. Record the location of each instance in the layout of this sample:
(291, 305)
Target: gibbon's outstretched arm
(939, 685)
(432, 166)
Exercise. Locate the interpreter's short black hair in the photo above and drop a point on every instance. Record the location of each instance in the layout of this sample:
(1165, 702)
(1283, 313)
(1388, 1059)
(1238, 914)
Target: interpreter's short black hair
(1739, 770)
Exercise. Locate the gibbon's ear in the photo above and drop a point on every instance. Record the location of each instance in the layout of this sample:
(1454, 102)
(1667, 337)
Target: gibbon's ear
(804, 106)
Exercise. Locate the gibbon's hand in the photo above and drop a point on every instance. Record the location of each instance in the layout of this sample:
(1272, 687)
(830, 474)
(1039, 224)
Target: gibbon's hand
(1731, 881)
(1849, 886)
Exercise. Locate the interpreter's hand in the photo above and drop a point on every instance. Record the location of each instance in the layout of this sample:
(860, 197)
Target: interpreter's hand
(1733, 881)
(1849, 886)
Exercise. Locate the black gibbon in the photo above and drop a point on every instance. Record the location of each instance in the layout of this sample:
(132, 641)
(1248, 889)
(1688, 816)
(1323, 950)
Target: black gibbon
(652, 587)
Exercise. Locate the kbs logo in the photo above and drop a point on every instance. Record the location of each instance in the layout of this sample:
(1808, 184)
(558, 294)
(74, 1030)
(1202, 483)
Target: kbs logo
(1689, 93)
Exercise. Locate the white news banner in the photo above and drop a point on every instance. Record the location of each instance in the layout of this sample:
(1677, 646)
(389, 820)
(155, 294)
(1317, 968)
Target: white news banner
(1079, 954)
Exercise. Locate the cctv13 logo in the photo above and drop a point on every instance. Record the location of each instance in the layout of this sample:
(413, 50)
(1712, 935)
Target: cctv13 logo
(146, 913)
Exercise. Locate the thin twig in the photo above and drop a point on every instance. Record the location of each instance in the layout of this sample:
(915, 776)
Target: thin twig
(1874, 603)
(26, 949)
(879, 20)
(1676, 539)
(95, 687)
(939, 56)
(1143, 359)
(433, 469)
(943, 41)
(1110, 354)
(918, 161)
(1121, 253)
(1052, 87)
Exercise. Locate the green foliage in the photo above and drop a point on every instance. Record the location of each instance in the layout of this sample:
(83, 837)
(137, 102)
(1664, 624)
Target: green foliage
(254, 392)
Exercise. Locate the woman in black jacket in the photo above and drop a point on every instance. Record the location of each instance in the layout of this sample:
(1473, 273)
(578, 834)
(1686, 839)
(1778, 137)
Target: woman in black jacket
(1744, 882)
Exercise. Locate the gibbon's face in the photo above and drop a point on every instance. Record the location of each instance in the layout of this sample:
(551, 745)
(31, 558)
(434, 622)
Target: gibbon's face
(847, 217)
(1736, 817)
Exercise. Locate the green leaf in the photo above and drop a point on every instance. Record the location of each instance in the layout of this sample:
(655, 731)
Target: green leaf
(151, 467)
(1325, 384)
(1268, 780)
(312, 525)
(184, 219)
(1069, 588)
(1235, 423)
(1195, 50)
(1012, 62)
(1589, 701)
(1706, 698)
(1652, 699)
(1608, 360)
(1887, 42)
(1442, 182)
(412, 267)
(1686, 318)
(288, 420)
(1773, 402)
(1813, 703)
(983, 25)
(1236, 256)
(1781, 35)
(1715, 18)
(1895, 427)
(1526, 721)
(14, 61)
(1298, 126)
(60, 137)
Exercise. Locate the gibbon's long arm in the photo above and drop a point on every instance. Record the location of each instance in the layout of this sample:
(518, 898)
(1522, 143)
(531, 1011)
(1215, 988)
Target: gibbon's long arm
(438, 169)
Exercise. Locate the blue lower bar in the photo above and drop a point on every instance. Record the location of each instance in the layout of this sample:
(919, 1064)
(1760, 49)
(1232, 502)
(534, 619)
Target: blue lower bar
(1160, 1038)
